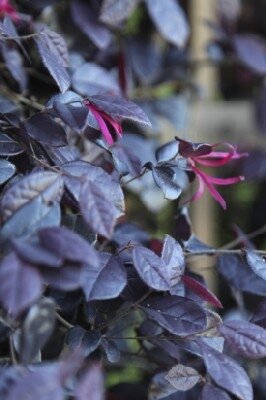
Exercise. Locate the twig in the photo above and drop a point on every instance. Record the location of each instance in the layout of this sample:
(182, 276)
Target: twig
(12, 351)
(162, 337)
(23, 37)
(29, 102)
(44, 164)
(128, 311)
(251, 235)
(64, 322)
(135, 177)
(214, 252)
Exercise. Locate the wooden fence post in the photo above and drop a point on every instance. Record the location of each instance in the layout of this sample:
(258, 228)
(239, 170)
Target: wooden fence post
(203, 212)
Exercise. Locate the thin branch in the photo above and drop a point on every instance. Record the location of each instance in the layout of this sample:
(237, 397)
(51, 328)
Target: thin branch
(12, 351)
(135, 177)
(251, 235)
(44, 164)
(128, 311)
(64, 322)
(23, 37)
(214, 252)
(162, 337)
(29, 102)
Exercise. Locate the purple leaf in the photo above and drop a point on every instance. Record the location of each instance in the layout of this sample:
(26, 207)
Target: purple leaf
(7, 170)
(8, 28)
(111, 350)
(70, 364)
(259, 317)
(78, 173)
(42, 128)
(54, 43)
(97, 209)
(172, 254)
(130, 232)
(226, 373)
(105, 281)
(160, 388)
(62, 155)
(42, 383)
(183, 225)
(170, 20)
(210, 391)
(180, 316)
(135, 287)
(256, 263)
(247, 45)
(239, 275)
(91, 384)
(189, 149)
(14, 64)
(33, 216)
(89, 79)
(69, 97)
(145, 59)
(120, 109)
(45, 186)
(87, 21)
(150, 328)
(20, 284)
(113, 12)
(174, 109)
(167, 151)
(151, 268)
(128, 157)
(8, 147)
(229, 10)
(8, 378)
(247, 339)
(68, 245)
(35, 254)
(87, 341)
(53, 64)
(36, 330)
(201, 291)
(165, 179)
(73, 116)
(260, 115)
(67, 278)
(183, 378)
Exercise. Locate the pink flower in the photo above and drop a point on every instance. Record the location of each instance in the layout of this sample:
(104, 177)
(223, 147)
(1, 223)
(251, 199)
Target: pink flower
(105, 122)
(7, 9)
(203, 154)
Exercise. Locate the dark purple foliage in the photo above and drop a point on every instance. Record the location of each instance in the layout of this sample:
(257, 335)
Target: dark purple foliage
(21, 284)
(180, 316)
(92, 288)
(53, 63)
(248, 339)
(105, 281)
(85, 17)
(44, 129)
(210, 391)
(250, 44)
(170, 20)
(151, 268)
(226, 373)
(91, 384)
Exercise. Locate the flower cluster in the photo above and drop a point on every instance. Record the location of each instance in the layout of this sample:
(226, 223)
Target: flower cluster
(106, 122)
(202, 154)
